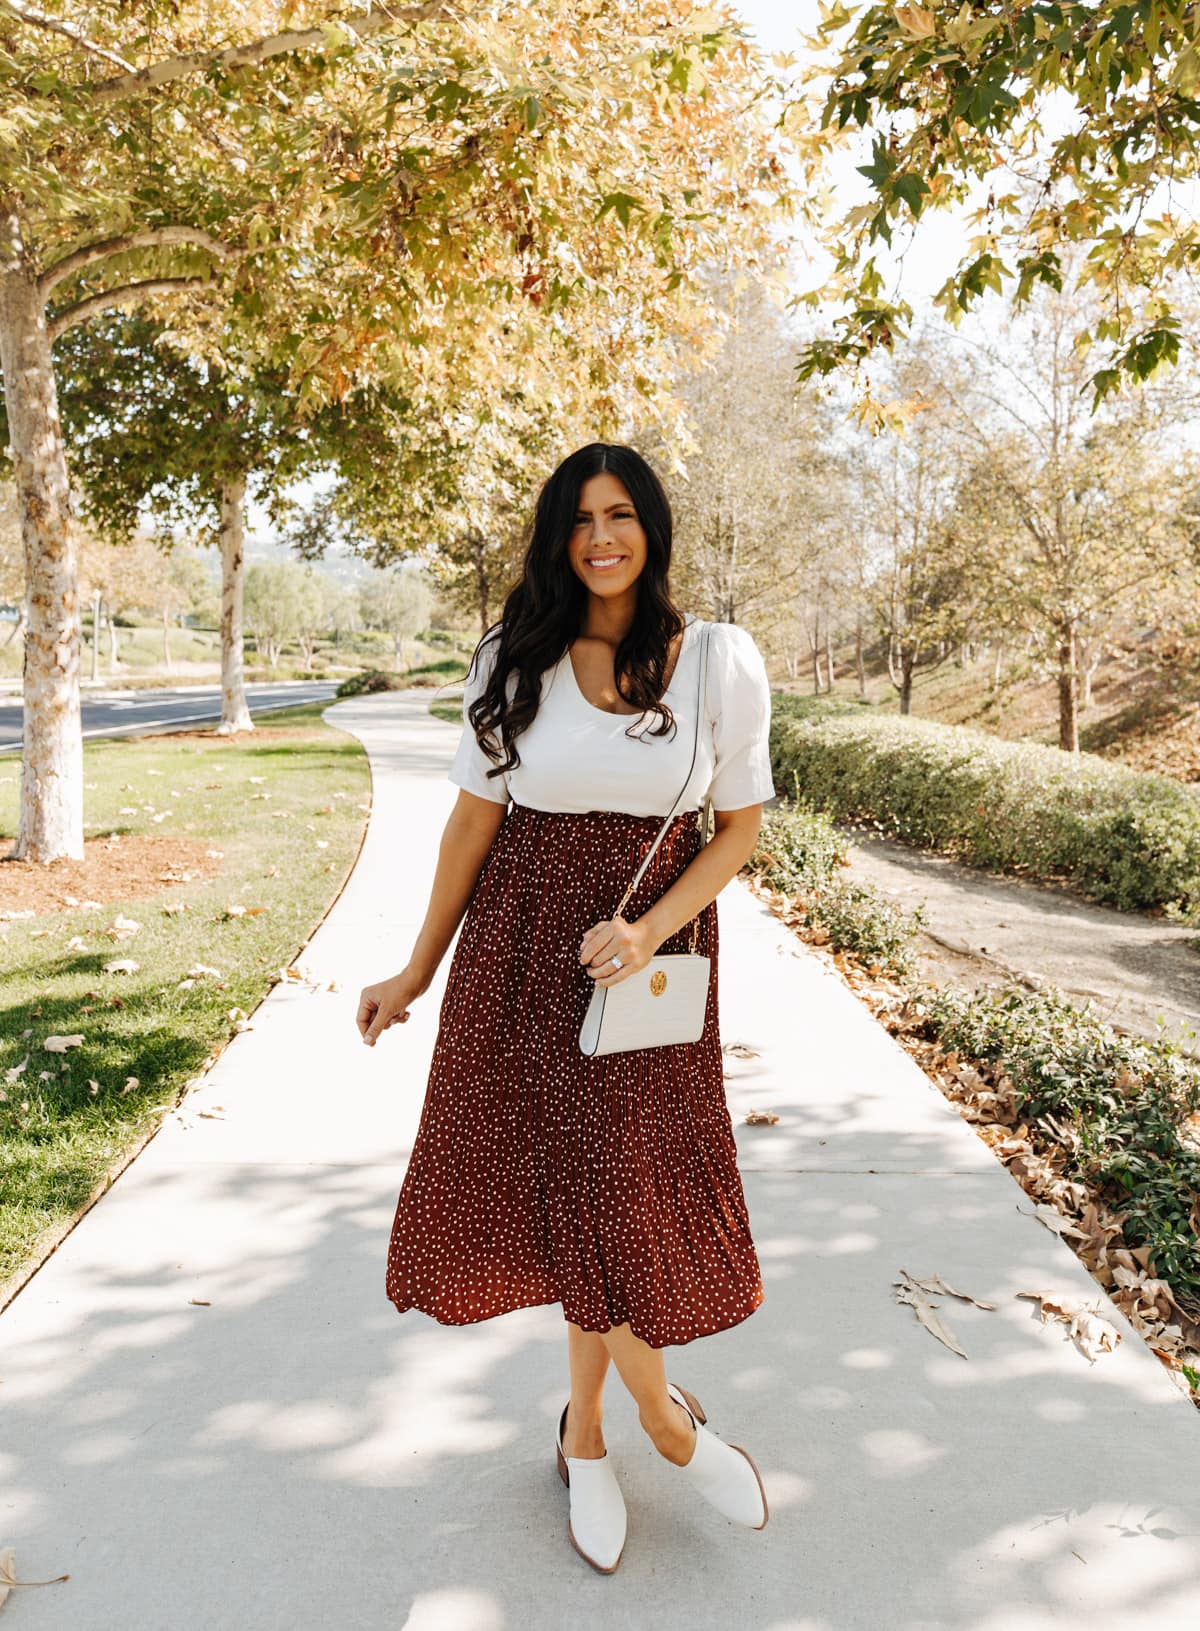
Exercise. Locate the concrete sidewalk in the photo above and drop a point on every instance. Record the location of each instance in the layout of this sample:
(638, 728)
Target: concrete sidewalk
(213, 1419)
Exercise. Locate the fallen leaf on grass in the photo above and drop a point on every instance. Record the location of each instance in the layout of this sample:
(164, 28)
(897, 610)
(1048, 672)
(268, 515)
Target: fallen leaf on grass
(8, 1573)
(1091, 1333)
(121, 927)
(910, 1291)
(121, 965)
(60, 1044)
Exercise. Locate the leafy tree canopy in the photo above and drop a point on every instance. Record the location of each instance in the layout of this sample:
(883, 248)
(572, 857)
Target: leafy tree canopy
(1063, 122)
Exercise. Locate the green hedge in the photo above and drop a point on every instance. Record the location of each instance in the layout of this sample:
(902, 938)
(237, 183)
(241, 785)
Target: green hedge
(1120, 836)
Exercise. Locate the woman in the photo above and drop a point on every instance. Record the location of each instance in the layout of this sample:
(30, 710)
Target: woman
(608, 1183)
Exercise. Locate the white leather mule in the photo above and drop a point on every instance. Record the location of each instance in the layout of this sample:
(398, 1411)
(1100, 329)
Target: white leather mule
(723, 1473)
(596, 1526)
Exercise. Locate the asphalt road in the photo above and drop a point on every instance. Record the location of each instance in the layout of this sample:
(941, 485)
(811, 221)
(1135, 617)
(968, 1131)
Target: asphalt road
(134, 713)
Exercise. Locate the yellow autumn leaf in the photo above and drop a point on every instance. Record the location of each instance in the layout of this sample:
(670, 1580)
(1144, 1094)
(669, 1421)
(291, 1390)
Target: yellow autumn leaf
(915, 21)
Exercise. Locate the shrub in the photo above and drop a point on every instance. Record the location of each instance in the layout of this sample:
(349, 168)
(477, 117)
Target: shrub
(370, 679)
(1120, 836)
(800, 852)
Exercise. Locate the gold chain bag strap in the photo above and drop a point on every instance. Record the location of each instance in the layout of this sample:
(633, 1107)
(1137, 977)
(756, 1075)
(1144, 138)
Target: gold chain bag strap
(665, 1002)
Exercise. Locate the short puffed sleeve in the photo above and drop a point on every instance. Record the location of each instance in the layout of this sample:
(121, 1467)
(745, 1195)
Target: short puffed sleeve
(740, 705)
(471, 764)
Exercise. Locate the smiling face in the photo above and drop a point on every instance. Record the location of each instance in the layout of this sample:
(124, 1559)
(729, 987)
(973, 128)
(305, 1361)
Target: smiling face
(608, 546)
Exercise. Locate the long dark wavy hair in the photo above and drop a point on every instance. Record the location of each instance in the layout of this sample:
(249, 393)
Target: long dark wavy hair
(543, 614)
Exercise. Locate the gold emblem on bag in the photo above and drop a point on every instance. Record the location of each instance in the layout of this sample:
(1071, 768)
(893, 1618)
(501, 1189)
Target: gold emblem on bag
(658, 983)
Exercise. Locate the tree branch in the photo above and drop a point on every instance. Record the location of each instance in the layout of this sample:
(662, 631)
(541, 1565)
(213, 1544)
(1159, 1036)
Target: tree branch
(127, 294)
(374, 20)
(148, 238)
(39, 19)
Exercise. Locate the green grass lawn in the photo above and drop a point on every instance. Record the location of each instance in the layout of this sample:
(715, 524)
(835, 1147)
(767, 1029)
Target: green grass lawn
(288, 816)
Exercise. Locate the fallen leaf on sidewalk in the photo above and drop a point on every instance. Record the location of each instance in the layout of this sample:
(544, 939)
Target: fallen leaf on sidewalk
(740, 1050)
(8, 1575)
(911, 1292)
(935, 1283)
(1091, 1333)
(760, 1118)
(1055, 1221)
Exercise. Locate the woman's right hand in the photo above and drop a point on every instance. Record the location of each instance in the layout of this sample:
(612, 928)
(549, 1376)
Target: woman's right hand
(386, 1004)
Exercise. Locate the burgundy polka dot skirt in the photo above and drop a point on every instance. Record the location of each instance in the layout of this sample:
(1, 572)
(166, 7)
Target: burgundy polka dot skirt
(539, 1175)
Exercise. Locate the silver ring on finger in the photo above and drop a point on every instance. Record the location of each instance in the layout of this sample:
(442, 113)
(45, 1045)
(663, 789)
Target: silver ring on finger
(615, 961)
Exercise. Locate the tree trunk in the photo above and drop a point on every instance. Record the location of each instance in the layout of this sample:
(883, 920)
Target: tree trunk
(482, 586)
(997, 668)
(113, 653)
(97, 607)
(829, 674)
(1068, 692)
(858, 657)
(235, 715)
(51, 819)
(166, 640)
(1090, 666)
(908, 664)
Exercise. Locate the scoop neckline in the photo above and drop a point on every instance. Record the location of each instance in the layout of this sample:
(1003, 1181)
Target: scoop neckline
(690, 621)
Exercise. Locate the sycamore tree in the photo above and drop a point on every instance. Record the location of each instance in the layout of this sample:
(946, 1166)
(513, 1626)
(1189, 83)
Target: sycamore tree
(923, 582)
(756, 500)
(1052, 125)
(332, 187)
(1078, 519)
(157, 433)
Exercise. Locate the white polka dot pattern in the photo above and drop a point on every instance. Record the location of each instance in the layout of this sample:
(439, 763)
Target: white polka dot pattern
(539, 1175)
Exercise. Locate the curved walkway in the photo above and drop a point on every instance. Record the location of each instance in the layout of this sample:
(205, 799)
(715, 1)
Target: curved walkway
(212, 1417)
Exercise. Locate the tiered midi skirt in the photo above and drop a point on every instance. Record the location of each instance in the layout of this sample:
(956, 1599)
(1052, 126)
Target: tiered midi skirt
(539, 1175)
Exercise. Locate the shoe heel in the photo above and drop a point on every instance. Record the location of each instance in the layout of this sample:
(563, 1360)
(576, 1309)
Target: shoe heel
(693, 1404)
(562, 1469)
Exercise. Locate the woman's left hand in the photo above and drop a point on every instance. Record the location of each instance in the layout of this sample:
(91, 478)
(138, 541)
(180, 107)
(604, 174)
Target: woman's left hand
(631, 942)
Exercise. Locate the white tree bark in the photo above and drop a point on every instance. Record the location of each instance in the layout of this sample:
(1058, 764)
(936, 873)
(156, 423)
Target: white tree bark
(51, 819)
(235, 715)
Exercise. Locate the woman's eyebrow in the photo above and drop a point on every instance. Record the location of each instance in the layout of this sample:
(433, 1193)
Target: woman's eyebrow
(624, 504)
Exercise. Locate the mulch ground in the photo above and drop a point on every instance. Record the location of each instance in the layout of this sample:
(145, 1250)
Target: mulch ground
(113, 868)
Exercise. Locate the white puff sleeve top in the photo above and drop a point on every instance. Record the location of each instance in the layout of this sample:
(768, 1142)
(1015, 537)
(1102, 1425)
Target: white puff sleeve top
(577, 757)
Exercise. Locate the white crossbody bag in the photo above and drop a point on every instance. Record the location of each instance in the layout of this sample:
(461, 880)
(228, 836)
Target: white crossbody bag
(664, 1002)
